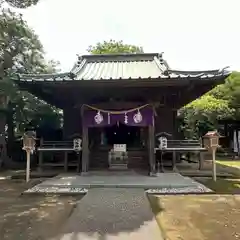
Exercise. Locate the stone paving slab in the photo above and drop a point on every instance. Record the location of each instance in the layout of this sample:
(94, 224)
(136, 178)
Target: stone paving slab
(163, 180)
(112, 214)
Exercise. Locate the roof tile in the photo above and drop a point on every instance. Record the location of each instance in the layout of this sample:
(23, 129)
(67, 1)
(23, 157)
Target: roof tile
(122, 66)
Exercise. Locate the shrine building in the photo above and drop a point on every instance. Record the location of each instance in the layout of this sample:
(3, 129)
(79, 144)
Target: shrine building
(120, 99)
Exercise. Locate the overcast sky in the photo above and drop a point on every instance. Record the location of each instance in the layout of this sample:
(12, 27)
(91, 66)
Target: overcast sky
(193, 34)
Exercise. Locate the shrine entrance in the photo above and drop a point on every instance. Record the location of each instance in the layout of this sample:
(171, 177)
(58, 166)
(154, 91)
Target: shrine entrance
(120, 133)
(123, 139)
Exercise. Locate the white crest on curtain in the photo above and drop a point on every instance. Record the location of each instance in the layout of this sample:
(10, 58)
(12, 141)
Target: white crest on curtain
(137, 118)
(98, 118)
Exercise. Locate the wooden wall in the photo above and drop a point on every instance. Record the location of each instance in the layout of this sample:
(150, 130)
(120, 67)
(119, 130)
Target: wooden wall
(165, 121)
(72, 122)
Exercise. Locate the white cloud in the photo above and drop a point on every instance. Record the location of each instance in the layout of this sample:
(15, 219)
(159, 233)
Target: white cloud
(193, 34)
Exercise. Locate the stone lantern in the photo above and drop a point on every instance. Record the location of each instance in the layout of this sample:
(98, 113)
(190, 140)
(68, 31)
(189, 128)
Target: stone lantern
(29, 142)
(211, 143)
(163, 144)
(211, 140)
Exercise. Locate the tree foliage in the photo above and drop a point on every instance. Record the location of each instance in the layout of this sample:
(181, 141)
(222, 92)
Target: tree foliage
(20, 3)
(113, 47)
(203, 114)
(220, 103)
(20, 52)
(20, 48)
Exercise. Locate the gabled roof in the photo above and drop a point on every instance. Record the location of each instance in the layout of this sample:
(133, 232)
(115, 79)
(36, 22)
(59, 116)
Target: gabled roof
(123, 66)
(119, 66)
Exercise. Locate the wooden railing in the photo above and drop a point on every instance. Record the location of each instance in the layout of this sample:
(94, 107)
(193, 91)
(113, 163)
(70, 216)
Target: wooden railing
(188, 144)
(177, 147)
(51, 145)
(56, 148)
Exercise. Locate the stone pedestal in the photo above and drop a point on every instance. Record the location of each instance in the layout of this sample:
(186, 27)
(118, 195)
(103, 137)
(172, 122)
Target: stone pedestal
(118, 160)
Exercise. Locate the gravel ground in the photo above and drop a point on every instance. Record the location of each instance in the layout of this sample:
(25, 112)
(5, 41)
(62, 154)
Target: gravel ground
(55, 190)
(180, 190)
(31, 217)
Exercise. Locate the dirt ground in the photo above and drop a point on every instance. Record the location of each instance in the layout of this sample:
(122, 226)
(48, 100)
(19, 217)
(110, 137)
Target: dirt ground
(191, 217)
(31, 217)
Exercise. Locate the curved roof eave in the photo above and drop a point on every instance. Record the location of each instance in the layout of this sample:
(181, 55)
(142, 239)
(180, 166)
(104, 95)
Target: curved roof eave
(137, 66)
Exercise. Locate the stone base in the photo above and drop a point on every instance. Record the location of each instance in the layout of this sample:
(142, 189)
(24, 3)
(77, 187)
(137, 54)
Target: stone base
(152, 174)
(84, 173)
(118, 167)
(158, 174)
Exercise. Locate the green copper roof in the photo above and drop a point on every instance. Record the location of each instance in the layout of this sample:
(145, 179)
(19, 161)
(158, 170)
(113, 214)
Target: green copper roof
(123, 66)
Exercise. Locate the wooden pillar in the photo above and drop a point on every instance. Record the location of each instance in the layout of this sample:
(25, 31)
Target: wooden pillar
(65, 161)
(151, 146)
(79, 161)
(174, 159)
(85, 149)
(201, 160)
(175, 124)
(40, 157)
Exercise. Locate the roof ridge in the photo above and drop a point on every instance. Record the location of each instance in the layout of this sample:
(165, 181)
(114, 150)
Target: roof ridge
(161, 63)
(118, 54)
(43, 74)
(115, 57)
(79, 65)
(194, 71)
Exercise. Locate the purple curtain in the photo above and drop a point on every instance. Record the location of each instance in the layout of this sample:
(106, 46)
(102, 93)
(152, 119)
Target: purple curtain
(142, 117)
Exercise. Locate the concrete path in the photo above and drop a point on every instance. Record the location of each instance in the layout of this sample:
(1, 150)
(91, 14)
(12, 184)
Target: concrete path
(112, 214)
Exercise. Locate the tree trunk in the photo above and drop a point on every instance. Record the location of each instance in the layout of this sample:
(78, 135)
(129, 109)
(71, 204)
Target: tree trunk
(10, 129)
(237, 139)
(3, 145)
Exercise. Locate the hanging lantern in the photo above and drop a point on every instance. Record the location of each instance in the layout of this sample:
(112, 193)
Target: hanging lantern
(126, 119)
(98, 118)
(77, 144)
(137, 118)
(162, 143)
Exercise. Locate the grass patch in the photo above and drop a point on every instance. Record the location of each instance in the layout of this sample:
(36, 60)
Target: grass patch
(197, 217)
(230, 163)
(222, 186)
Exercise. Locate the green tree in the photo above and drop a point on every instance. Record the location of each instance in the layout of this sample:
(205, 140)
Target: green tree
(203, 114)
(20, 3)
(220, 103)
(232, 92)
(20, 52)
(113, 47)
(19, 49)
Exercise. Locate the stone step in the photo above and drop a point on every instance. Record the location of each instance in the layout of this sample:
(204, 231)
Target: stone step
(118, 166)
